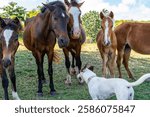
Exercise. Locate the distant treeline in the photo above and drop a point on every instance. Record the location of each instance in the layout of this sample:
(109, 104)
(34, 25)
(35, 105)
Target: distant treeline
(90, 20)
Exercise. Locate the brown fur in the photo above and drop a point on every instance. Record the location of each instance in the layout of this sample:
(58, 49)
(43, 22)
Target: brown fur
(75, 44)
(40, 37)
(131, 36)
(108, 52)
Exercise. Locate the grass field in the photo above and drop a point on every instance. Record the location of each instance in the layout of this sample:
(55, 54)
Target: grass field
(27, 76)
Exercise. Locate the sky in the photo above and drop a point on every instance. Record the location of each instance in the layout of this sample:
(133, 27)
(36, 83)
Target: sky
(123, 9)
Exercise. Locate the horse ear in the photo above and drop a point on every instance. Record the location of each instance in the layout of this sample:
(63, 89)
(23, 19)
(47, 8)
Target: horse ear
(2, 23)
(67, 2)
(101, 15)
(50, 7)
(80, 4)
(111, 15)
(17, 22)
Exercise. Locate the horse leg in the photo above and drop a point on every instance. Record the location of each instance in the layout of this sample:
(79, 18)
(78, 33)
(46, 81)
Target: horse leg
(72, 69)
(78, 60)
(38, 57)
(104, 66)
(5, 84)
(111, 64)
(67, 63)
(12, 76)
(119, 59)
(50, 72)
(126, 56)
(42, 71)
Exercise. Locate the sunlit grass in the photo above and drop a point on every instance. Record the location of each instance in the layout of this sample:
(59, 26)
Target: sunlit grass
(27, 77)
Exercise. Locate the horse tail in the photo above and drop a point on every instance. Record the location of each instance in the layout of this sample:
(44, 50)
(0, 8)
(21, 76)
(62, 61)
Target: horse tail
(56, 57)
(140, 80)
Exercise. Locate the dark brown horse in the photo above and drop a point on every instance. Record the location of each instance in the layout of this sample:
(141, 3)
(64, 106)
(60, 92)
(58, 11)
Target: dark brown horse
(40, 37)
(107, 43)
(77, 38)
(134, 36)
(8, 47)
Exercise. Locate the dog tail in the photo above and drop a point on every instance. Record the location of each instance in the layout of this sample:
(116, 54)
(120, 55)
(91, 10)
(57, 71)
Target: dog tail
(140, 80)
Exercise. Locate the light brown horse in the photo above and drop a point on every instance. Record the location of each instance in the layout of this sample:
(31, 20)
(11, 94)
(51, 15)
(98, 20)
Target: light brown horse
(107, 43)
(134, 36)
(8, 46)
(40, 37)
(77, 38)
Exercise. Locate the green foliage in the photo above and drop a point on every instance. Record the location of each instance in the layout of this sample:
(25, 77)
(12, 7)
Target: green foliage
(91, 23)
(13, 10)
(32, 13)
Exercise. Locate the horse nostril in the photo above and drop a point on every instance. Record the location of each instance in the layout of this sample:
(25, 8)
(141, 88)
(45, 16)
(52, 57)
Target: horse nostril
(62, 41)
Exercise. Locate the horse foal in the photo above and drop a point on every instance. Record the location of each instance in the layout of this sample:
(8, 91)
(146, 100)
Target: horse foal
(106, 43)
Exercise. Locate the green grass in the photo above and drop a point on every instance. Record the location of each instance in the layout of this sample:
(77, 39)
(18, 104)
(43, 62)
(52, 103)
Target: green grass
(27, 77)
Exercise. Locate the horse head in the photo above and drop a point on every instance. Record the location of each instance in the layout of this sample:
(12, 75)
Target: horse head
(58, 22)
(107, 26)
(9, 40)
(74, 20)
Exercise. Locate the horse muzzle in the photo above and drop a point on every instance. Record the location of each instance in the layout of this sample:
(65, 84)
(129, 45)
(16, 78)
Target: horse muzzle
(6, 62)
(63, 42)
(76, 34)
(107, 43)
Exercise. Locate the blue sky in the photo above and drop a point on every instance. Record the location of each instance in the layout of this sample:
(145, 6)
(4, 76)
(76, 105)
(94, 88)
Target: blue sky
(123, 9)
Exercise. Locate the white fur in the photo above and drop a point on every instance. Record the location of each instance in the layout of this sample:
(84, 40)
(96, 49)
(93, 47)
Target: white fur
(107, 37)
(15, 95)
(68, 79)
(102, 88)
(7, 35)
(63, 15)
(75, 13)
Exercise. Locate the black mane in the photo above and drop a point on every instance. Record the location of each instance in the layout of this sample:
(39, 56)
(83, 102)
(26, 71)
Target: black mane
(55, 3)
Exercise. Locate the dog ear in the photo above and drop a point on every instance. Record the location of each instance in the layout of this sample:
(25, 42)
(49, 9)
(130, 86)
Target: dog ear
(91, 68)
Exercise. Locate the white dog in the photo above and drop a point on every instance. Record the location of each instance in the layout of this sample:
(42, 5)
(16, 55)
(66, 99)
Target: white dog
(101, 88)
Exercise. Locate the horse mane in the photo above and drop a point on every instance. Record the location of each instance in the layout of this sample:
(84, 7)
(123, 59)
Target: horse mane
(54, 3)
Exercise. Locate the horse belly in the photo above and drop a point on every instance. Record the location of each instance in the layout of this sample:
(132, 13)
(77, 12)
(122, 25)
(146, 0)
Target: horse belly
(140, 45)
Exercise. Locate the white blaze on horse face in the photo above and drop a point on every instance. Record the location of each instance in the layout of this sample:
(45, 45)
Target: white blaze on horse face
(106, 37)
(75, 13)
(7, 35)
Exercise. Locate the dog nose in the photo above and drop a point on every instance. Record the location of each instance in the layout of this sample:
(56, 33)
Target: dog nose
(6, 62)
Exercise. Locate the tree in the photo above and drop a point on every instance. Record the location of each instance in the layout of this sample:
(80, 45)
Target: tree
(91, 23)
(13, 10)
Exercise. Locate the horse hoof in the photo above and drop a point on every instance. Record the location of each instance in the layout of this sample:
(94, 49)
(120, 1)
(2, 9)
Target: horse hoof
(52, 93)
(40, 94)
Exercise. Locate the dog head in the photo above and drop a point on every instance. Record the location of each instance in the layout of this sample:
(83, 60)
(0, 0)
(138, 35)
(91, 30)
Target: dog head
(80, 77)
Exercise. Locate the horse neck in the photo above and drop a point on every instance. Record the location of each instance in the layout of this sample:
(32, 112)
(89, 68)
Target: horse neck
(46, 22)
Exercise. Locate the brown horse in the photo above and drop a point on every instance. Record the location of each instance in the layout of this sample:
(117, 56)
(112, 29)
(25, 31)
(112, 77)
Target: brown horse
(40, 37)
(8, 47)
(77, 38)
(107, 43)
(134, 36)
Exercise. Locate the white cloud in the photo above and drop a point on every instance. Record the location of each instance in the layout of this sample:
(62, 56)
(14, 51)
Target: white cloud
(126, 9)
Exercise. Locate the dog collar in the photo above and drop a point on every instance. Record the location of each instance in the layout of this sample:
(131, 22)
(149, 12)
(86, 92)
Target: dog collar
(90, 78)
